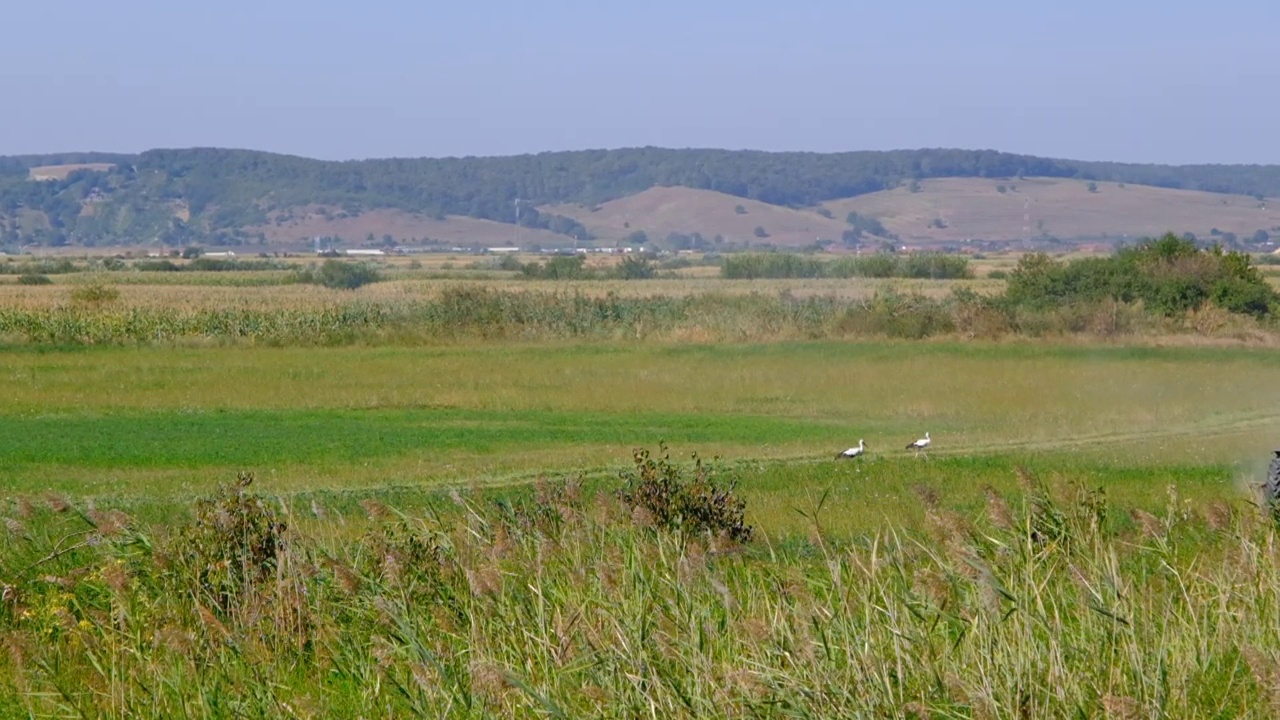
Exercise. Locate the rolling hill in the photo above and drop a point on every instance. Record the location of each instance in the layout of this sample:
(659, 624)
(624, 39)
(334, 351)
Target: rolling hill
(975, 208)
(661, 211)
(234, 197)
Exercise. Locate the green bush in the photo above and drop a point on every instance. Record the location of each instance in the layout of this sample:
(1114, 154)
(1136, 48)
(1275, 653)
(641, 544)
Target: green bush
(341, 275)
(34, 279)
(157, 266)
(1170, 275)
(936, 266)
(560, 267)
(657, 493)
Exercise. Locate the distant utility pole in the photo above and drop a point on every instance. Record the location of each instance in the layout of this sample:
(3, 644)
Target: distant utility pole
(517, 242)
(1026, 218)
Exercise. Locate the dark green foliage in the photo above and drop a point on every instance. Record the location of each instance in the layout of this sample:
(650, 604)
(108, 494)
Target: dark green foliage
(760, 232)
(770, 265)
(863, 224)
(658, 493)
(560, 267)
(208, 264)
(34, 279)
(1170, 275)
(935, 266)
(227, 191)
(157, 266)
(341, 275)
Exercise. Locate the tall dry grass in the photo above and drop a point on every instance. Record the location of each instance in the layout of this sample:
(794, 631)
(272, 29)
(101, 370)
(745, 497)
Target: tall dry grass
(1047, 603)
(480, 311)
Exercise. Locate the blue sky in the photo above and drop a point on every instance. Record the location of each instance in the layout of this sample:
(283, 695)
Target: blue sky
(1173, 82)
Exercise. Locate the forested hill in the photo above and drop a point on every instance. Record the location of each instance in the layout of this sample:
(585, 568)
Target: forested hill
(182, 195)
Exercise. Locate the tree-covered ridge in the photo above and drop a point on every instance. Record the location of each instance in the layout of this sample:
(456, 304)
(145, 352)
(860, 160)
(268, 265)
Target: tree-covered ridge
(176, 195)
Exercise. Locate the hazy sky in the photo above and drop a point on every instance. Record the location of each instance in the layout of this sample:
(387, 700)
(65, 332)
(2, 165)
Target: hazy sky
(1170, 81)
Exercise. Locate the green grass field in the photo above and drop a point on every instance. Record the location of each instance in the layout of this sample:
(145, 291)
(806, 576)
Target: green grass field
(1079, 541)
(146, 425)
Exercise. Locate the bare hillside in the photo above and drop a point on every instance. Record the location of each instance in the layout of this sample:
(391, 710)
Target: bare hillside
(975, 208)
(60, 172)
(660, 211)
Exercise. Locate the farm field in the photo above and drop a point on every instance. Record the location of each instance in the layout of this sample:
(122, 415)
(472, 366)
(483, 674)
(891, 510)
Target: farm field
(457, 525)
(143, 425)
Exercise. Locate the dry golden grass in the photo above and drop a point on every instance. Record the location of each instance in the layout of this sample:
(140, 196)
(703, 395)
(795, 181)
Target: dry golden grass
(293, 296)
(973, 208)
(663, 210)
(59, 172)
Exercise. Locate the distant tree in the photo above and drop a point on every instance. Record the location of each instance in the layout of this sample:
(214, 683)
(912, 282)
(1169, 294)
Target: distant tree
(740, 209)
(851, 236)
(1093, 187)
(1261, 237)
(760, 232)
(938, 223)
(637, 238)
(191, 252)
(825, 213)
(913, 186)
(1214, 232)
(1002, 189)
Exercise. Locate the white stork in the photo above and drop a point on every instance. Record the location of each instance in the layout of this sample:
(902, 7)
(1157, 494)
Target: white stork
(853, 452)
(920, 444)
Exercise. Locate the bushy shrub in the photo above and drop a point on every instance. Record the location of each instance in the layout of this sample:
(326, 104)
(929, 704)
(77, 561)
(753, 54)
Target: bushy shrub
(231, 544)
(340, 275)
(1170, 275)
(658, 493)
(561, 267)
(936, 266)
(34, 279)
(157, 266)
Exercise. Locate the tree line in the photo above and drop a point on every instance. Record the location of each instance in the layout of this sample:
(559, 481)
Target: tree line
(224, 191)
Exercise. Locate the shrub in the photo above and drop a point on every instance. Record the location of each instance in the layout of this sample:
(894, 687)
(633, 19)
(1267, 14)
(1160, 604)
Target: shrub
(657, 492)
(1170, 275)
(636, 267)
(157, 266)
(231, 544)
(562, 267)
(34, 279)
(341, 275)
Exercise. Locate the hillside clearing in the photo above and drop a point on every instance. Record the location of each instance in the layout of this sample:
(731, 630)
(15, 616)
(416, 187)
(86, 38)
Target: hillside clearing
(975, 208)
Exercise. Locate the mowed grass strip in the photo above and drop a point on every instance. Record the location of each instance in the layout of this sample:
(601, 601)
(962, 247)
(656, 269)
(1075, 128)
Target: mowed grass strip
(231, 439)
